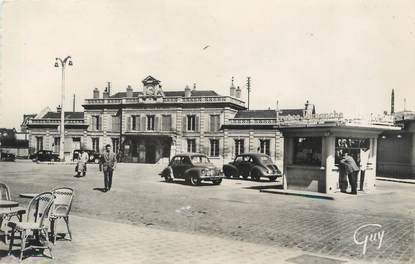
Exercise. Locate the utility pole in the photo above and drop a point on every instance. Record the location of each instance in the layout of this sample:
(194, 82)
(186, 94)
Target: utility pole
(73, 106)
(248, 87)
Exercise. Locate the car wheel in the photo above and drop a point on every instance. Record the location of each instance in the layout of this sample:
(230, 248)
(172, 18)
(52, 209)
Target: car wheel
(255, 176)
(227, 173)
(167, 177)
(194, 180)
(271, 179)
(217, 182)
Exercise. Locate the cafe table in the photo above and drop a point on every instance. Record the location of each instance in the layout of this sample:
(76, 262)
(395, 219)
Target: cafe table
(28, 195)
(8, 204)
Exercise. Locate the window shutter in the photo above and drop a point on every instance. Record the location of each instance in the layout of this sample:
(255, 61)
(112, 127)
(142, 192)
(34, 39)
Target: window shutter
(184, 124)
(100, 123)
(138, 122)
(197, 123)
(143, 124)
(156, 123)
(210, 123)
(129, 123)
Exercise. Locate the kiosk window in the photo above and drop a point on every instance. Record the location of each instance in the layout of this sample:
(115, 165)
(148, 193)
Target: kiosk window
(307, 151)
(352, 146)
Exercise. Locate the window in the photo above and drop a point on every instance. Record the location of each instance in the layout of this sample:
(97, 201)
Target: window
(191, 145)
(214, 147)
(95, 144)
(56, 144)
(150, 122)
(166, 122)
(39, 143)
(96, 124)
(135, 122)
(191, 123)
(115, 124)
(115, 144)
(352, 146)
(199, 159)
(307, 151)
(239, 146)
(264, 145)
(214, 123)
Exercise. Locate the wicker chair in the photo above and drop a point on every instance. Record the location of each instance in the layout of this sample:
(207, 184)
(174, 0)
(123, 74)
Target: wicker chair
(60, 209)
(7, 213)
(37, 211)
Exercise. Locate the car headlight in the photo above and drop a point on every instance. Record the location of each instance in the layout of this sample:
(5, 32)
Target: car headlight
(203, 172)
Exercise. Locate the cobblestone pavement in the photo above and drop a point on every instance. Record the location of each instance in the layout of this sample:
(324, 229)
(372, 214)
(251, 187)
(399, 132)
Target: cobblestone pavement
(235, 210)
(97, 241)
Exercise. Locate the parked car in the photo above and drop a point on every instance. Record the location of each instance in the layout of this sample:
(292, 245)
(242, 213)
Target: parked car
(254, 165)
(94, 157)
(194, 168)
(44, 155)
(7, 156)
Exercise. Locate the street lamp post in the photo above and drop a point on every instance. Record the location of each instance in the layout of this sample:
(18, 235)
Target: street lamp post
(62, 63)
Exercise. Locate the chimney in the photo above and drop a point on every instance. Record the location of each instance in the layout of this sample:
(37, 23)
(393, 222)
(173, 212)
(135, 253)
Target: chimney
(393, 102)
(187, 91)
(58, 109)
(129, 91)
(194, 86)
(73, 103)
(96, 93)
(105, 94)
(232, 89)
(238, 92)
(109, 88)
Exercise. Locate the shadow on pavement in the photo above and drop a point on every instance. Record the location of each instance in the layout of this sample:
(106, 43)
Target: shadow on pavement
(99, 189)
(262, 187)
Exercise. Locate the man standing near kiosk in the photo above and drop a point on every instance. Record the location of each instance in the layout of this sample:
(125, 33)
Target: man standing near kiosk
(351, 169)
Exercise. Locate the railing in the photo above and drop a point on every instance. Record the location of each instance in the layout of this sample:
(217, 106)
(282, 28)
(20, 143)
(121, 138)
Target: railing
(56, 121)
(178, 99)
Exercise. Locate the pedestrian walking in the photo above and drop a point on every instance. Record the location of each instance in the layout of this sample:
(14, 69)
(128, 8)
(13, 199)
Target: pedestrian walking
(364, 160)
(107, 165)
(82, 161)
(351, 169)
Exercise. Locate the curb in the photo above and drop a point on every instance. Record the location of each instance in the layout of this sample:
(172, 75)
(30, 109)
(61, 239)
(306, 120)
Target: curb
(302, 194)
(395, 180)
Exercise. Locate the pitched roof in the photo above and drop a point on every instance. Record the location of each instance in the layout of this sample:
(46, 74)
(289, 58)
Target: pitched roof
(171, 93)
(68, 115)
(268, 113)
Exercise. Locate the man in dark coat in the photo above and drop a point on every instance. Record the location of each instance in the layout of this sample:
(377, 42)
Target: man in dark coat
(351, 169)
(108, 164)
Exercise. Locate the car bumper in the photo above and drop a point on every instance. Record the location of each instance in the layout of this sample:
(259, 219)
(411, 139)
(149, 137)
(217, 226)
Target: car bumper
(272, 175)
(211, 178)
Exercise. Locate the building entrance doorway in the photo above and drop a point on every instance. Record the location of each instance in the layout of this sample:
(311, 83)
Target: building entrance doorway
(146, 148)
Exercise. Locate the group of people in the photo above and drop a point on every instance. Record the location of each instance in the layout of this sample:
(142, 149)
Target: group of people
(349, 170)
(107, 164)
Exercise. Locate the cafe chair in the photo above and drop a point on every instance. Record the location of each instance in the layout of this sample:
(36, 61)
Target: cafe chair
(7, 213)
(60, 209)
(34, 225)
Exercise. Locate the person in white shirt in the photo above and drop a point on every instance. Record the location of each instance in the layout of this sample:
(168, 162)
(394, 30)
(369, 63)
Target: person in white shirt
(81, 166)
(364, 159)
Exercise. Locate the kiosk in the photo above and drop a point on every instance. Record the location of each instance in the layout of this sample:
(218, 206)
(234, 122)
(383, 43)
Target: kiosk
(313, 151)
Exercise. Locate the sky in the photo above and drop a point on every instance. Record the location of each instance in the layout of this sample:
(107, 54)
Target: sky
(344, 56)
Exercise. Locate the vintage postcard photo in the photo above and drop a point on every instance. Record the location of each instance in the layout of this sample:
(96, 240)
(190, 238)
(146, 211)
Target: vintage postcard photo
(196, 131)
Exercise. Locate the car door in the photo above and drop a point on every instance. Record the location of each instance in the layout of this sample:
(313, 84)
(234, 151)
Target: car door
(245, 166)
(178, 166)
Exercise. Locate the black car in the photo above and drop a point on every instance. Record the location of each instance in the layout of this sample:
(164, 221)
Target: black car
(254, 165)
(94, 157)
(194, 168)
(44, 155)
(6, 156)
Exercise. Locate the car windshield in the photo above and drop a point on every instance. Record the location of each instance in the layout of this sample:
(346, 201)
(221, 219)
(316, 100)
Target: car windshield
(265, 159)
(200, 159)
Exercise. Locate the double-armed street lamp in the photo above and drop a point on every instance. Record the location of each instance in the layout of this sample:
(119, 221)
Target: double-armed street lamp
(62, 63)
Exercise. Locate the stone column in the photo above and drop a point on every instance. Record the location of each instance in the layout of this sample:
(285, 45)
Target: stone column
(328, 159)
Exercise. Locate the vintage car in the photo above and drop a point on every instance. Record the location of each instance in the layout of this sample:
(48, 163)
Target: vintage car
(44, 155)
(194, 168)
(7, 156)
(93, 156)
(254, 165)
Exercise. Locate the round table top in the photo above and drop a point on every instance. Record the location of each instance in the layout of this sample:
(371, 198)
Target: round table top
(8, 204)
(28, 195)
